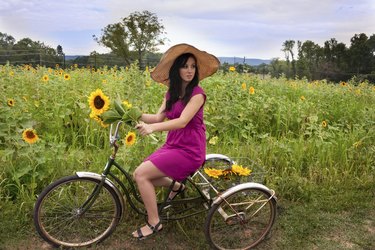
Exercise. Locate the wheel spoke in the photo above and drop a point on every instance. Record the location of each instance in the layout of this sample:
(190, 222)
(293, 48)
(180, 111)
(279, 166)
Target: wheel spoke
(241, 220)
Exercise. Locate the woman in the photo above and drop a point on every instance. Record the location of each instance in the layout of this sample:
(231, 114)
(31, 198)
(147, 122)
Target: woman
(181, 68)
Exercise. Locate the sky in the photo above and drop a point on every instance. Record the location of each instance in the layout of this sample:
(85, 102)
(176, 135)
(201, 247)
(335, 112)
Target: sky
(237, 28)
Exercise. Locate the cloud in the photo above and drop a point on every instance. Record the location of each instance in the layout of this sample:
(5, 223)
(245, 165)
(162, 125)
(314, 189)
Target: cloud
(254, 28)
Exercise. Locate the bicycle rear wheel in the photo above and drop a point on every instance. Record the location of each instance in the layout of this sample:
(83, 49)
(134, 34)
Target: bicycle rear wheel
(241, 220)
(58, 215)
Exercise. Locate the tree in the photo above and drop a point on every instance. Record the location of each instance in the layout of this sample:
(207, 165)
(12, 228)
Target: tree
(277, 67)
(311, 54)
(34, 52)
(6, 45)
(140, 32)
(371, 45)
(360, 53)
(288, 46)
(59, 50)
(6, 41)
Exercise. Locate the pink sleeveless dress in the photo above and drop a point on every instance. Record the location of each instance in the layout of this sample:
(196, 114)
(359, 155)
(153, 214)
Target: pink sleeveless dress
(185, 149)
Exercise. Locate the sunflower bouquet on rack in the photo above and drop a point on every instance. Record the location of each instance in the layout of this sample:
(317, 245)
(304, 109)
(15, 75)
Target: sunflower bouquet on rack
(234, 170)
(228, 176)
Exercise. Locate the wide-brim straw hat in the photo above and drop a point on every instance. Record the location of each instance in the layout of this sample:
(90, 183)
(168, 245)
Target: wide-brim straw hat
(207, 64)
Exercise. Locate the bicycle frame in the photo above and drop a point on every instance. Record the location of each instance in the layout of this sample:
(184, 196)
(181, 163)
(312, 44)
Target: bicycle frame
(131, 192)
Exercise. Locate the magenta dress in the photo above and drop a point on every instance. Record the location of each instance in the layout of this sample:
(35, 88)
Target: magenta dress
(185, 149)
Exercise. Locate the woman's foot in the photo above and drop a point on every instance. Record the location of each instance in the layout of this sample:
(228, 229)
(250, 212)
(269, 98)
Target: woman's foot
(175, 192)
(147, 230)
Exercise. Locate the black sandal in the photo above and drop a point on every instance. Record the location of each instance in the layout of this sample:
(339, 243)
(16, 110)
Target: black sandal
(177, 192)
(154, 229)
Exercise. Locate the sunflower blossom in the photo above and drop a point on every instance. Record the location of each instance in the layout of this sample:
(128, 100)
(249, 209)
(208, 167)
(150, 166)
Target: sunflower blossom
(251, 90)
(30, 136)
(10, 102)
(98, 119)
(212, 172)
(238, 169)
(243, 86)
(99, 102)
(66, 77)
(213, 140)
(130, 139)
(45, 78)
(127, 104)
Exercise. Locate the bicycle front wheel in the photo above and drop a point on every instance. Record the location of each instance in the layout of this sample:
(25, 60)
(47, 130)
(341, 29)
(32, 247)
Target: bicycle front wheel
(60, 219)
(241, 220)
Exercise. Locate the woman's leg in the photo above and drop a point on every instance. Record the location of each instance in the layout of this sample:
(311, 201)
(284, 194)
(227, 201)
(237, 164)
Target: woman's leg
(166, 182)
(144, 176)
(162, 182)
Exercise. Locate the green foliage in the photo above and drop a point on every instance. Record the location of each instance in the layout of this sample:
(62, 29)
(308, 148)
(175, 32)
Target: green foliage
(140, 32)
(312, 138)
(333, 61)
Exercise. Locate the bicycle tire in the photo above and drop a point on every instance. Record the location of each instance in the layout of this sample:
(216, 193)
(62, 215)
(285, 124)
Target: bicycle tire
(57, 215)
(247, 219)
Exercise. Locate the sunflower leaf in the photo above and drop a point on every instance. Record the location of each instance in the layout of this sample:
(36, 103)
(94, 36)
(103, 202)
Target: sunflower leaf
(110, 116)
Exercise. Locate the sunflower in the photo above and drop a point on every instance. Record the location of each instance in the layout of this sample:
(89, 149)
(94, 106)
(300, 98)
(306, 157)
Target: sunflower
(324, 124)
(29, 135)
(98, 120)
(45, 78)
(238, 169)
(243, 86)
(214, 173)
(251, 90)
(10, 102)
(127, 104)
(99, 103)
(213, 140)
(130, 139)
(302, 98)
(66, 77)
(231, 68)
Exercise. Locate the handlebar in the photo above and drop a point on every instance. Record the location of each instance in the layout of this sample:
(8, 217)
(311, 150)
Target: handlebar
(113, 137)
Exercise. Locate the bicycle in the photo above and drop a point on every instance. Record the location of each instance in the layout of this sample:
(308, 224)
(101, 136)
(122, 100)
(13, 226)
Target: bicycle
(85, 208)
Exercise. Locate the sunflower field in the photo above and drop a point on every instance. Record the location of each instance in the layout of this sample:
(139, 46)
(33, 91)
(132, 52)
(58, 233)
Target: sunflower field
(311, 137)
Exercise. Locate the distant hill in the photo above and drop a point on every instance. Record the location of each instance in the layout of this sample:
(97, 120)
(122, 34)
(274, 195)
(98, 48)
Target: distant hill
(67, 57)
(229, 60)
(239, 60)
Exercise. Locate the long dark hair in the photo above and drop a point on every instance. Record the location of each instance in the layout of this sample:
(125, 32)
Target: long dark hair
(175, 81)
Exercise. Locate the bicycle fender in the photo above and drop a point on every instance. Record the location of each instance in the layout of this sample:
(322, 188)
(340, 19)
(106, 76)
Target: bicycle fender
(217, 156)
(107, 181)
(238, 187)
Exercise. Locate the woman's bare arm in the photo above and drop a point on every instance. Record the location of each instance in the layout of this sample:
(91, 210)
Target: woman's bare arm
(154, 118)
(187, 114)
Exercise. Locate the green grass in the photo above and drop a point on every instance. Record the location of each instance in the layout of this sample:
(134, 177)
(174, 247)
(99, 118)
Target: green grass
(333, 220)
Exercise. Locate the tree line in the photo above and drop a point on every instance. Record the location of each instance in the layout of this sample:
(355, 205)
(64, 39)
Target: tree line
(136, 38)
(333, 61)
